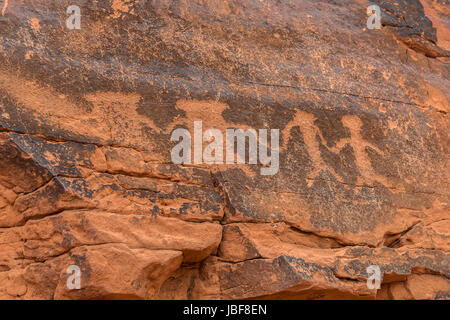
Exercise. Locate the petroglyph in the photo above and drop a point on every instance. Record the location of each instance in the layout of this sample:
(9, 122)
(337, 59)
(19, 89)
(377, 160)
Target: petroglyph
(211, 113)
(208, 111)
(87, 178)
(235, 137)
(313, 139)
(359, 146)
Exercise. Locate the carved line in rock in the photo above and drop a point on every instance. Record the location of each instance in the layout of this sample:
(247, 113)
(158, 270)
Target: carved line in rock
(211, 112)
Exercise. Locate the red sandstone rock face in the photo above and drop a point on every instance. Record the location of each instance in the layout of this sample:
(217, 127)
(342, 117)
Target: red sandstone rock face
(86, 176)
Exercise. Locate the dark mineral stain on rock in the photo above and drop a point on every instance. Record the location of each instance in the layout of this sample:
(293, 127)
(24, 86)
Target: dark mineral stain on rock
(86, 175)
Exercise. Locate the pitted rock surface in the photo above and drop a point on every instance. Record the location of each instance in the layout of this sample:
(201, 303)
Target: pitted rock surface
(86, 176)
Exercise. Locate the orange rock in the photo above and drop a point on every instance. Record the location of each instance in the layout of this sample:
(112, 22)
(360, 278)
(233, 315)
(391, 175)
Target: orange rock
(86, 177)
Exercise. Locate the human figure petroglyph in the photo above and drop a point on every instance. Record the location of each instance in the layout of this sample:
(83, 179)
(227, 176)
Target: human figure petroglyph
(305, 122)
(359, 145)
(313, 139)
(212, 113)
(208, 111)
(235, 139)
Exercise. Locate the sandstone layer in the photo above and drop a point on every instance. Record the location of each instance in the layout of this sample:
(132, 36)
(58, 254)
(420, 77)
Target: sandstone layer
(86, 176)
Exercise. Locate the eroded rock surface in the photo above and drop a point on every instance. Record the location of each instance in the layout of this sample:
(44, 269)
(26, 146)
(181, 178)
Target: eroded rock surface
(86, 176)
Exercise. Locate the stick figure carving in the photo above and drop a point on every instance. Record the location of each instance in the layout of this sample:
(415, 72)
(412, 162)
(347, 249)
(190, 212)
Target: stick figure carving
(305, 122)
(313, 138)
(359, 146)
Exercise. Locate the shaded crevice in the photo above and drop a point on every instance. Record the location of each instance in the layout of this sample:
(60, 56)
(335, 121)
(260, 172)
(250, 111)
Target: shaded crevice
(395, 238)
(60, 139)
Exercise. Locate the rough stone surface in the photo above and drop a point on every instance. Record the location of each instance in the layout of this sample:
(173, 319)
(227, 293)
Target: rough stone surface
(86, 176)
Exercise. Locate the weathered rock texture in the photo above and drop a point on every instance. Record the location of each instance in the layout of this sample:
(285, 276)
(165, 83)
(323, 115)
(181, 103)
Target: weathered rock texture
(86, 176)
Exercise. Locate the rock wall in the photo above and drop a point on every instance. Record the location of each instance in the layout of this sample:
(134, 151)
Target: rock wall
(87, 177)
